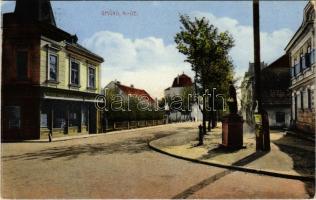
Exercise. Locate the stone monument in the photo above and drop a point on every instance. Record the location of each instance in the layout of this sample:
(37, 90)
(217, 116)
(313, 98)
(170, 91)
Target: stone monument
(232, 124)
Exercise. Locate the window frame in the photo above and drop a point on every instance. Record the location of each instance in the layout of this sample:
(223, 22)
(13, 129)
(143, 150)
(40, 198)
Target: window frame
(302, 62)
(73, 60)
(18, 108)
(50, 53)
(309, 98)
(308, 62)
(91, 66)
(294, 67)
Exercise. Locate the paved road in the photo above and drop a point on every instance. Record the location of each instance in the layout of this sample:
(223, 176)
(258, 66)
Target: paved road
(122, 166)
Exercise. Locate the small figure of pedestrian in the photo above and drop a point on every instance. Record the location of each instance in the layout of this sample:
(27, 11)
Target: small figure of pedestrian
(201, 136)
(50, 136)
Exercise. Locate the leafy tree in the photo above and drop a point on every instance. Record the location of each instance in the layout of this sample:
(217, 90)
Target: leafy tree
(187, 98)
(206, 49)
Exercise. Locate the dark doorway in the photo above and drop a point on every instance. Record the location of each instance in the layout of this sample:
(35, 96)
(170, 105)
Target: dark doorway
(92, 119)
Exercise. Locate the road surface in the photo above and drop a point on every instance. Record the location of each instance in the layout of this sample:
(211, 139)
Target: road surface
(121, 165)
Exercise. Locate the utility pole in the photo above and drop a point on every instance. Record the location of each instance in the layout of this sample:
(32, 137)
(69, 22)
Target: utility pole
(262, 119)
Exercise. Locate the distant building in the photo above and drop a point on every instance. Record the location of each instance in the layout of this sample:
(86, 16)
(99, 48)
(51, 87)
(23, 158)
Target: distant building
(275, 93)
(247, 94)
(180, 83)
(301, 50)
(130, 90)
(49, 81)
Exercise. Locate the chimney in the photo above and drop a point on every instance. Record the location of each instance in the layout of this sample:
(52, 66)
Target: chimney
(132, 86)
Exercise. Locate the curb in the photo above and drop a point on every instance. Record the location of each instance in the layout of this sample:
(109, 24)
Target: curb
(235, 168)
(299, 135)
(65, 138)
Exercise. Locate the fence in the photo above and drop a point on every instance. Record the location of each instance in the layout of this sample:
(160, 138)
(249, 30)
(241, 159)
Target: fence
(112, 126)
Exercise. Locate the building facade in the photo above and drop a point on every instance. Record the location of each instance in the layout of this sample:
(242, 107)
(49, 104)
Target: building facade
(275, 92)
(125, 91)
(247, 94)
(301, 50)
(49, 81)
(179, 85)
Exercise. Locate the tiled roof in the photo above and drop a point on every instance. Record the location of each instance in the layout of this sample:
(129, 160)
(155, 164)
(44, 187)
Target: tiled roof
(134, 91)
(275, 83)
(283, 61)
(182, 81)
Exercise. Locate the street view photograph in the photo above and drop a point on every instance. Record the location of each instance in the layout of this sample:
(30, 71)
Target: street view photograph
(158, 99)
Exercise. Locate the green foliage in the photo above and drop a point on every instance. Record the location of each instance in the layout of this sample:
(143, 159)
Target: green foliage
(206, 49)
(188, 100)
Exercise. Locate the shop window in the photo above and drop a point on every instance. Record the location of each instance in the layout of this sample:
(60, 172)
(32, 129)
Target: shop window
(84, 116)
(44, 120)
(13, 114)
(59, 117)
(73, 119)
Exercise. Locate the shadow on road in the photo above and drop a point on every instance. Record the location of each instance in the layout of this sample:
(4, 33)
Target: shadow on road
(193, 189)
(303, 160)
(130, 146)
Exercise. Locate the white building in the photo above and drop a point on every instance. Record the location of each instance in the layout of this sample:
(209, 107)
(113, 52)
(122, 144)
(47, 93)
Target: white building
(301, 50)
(180, 83)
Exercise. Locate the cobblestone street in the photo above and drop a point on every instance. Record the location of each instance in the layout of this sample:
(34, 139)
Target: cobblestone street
(121, 165)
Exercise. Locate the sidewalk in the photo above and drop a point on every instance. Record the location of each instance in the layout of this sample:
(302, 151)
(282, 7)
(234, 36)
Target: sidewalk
(81, 136)
(290, 157)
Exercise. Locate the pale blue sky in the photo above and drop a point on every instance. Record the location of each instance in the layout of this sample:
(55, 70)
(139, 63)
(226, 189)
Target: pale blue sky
(160, 19)
(140, 49)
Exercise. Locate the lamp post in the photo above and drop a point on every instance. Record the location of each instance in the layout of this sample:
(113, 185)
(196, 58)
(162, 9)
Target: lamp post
(262, 119)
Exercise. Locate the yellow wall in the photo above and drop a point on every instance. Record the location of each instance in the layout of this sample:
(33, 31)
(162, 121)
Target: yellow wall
(63, 68)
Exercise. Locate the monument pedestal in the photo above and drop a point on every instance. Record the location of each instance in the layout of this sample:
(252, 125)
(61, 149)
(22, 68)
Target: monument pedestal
(232, 135)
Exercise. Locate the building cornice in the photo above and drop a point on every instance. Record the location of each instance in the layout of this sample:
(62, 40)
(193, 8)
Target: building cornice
(75, 50)
(305, 25)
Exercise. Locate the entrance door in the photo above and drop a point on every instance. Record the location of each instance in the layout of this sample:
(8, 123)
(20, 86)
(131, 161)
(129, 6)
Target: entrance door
(92, 120)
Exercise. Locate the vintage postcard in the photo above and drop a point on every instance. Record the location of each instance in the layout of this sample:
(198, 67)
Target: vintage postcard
(158, 99)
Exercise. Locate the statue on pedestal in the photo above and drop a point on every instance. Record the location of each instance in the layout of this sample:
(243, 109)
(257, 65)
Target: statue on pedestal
(232, 124)
(232, 99)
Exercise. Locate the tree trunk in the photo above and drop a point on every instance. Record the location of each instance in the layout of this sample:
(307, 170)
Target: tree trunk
(214, 119)
(209, 122)
(204, 116)
(209, 114)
